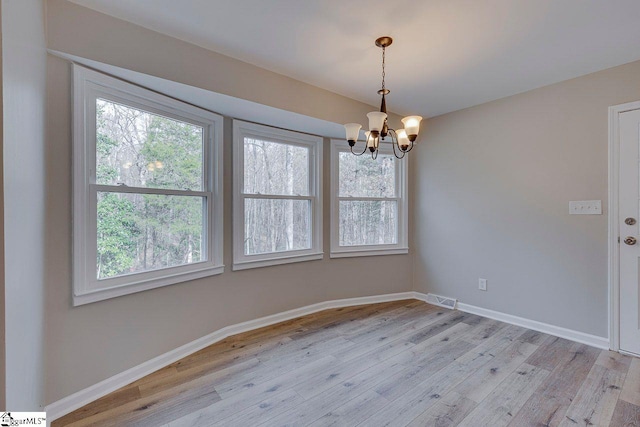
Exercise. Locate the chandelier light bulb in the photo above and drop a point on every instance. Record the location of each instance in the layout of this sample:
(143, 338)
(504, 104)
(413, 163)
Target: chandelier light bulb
(403, 139)
(373, 140)
(353, 131)
(370, 139)
(412, 126)
(376, 120)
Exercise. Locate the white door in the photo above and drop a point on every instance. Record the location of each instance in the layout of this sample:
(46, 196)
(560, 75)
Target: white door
(629, 232)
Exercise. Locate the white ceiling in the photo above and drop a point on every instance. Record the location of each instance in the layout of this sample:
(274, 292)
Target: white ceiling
(447, 54)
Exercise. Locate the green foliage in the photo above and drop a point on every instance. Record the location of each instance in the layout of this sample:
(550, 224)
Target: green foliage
(174, 225)
(105, 173)
(177, 148)
(117, 233)
(138, 231)
(104, 147)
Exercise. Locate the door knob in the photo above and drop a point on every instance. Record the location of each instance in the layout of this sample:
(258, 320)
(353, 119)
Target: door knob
(630, 240)
(630, 221)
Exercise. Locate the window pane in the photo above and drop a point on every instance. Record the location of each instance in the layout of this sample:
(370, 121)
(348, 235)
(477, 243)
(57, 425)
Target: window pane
(368, 223)
(142, 232)
(275, 168)
(276, 225)
(366, 177)
(141, 149)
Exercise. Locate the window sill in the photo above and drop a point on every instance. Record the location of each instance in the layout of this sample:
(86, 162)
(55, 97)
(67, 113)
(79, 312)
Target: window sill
(267, 262)
(107, 293)
(348, 253)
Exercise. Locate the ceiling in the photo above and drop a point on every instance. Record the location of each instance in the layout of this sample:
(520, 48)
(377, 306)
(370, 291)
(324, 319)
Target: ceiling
(447, 54)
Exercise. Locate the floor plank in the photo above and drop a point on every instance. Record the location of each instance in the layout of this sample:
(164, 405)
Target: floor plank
(596, 400)
(551, 353)
(228, 407)
(449, 411)
(405, 408)
(571, 364)
(343, 370)
(398, 363)
(616, 361)
(631, 388)
(626, 415)
(378, 340)
(483, 381)
(353, 412)
(503, 402)
(262, 411)
(425, 366)
(331, 399)
(534, 337)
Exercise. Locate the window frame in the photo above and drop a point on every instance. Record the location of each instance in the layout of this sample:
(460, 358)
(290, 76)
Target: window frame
(242, 129)
(401, 178)
(88, 86)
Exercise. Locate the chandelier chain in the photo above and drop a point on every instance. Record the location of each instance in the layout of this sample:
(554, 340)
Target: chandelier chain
(383, 55)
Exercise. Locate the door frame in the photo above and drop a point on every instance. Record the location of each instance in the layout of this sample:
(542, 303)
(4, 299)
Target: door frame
(614, 243)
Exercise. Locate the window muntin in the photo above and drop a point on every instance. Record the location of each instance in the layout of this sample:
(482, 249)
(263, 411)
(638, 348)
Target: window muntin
(369, 205)
(147, 189)
(277, 203)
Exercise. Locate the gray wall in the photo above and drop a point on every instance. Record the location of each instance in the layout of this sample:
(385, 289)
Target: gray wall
(490, 187)
(491, 190)
(87, 344)
(3, 382)
(24, 77)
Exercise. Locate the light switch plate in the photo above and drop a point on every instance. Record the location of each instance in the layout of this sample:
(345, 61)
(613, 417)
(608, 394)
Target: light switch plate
(585, 207)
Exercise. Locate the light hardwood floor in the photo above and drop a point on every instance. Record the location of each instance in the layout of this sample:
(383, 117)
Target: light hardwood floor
(403, 363)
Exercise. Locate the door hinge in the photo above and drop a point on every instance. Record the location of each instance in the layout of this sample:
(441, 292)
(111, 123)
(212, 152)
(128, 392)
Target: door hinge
(618, 239)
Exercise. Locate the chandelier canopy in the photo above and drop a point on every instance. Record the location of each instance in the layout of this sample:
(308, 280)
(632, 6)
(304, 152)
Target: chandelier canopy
(402, 139)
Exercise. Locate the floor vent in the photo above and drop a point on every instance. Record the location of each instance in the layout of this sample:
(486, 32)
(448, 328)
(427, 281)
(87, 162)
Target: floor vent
(441, 301)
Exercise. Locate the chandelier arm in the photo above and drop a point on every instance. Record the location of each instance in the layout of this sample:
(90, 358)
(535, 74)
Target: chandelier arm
(392, 132)
(411, 146)
(363, 151)
(366, 146)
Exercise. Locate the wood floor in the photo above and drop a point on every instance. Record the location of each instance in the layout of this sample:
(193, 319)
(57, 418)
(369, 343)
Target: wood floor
(403, 363)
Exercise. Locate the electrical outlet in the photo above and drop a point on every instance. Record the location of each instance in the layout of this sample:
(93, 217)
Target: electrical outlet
(482, 284)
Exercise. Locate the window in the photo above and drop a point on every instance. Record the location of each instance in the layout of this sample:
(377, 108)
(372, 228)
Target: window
(369, 202)
(147, 189)
(277, 192)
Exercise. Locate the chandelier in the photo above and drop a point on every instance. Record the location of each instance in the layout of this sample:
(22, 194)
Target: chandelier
(402, 139)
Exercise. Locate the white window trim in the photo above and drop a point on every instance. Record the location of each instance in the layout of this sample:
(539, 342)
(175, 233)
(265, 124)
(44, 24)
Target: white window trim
(402, 170)
(242, 129)
(87, 85)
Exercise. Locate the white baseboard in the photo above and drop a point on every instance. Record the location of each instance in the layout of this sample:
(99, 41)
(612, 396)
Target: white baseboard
(570, 334)
(556, 331)
(77, 400)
